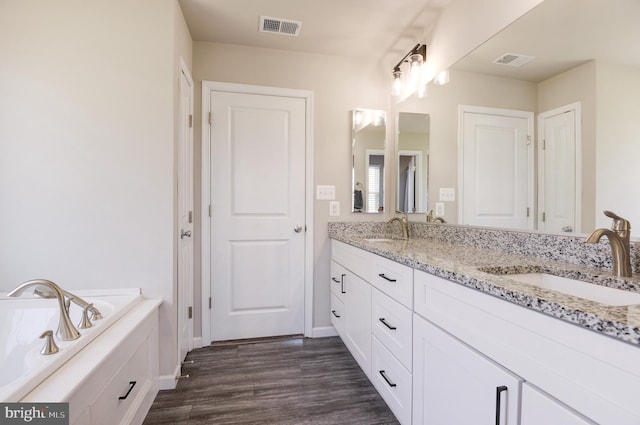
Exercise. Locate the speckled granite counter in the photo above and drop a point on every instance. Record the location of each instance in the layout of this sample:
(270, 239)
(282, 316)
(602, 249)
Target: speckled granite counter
(474, 266)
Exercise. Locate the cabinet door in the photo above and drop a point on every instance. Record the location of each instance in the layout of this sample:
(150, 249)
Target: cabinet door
(540, 408)
(454, 384)
(357, 323)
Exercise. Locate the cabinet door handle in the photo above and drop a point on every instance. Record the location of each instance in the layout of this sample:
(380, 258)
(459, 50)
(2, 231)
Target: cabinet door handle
(499, 391)
(386, 278)
(384, 322)
(335, 280)
(342, 283)
(384, 375)
(131, 385)
(334, 313)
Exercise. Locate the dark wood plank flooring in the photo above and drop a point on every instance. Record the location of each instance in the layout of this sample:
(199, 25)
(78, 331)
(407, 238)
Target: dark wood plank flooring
(295, 381)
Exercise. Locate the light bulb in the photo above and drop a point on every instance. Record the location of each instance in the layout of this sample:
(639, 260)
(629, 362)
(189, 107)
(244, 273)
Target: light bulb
(416, 66)
(397, 82)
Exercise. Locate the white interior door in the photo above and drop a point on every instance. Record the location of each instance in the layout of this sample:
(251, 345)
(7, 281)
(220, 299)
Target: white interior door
(559, 170)
(185, 216)
(257, 215)
(496, 168)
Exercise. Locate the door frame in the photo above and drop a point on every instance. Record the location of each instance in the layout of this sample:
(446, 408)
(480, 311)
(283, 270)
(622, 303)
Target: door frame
(576, 107)
(183, 69)
(307, 96)
(514, 113)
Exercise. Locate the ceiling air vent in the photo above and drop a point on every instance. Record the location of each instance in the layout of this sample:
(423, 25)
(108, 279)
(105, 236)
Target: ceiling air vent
(513, 59)
(280, 26)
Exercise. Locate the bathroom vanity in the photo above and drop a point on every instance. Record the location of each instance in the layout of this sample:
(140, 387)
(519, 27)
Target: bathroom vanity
(449, 333)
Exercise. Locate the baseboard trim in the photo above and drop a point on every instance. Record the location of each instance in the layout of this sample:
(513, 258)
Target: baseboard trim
(324, 332)
(197, 342)
(169, 382)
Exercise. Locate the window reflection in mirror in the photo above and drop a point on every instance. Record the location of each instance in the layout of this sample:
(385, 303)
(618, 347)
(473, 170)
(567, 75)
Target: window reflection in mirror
(413, 162)
(368, 145)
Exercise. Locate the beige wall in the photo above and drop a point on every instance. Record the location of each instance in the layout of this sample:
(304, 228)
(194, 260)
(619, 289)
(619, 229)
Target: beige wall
(86, 146)
(618, 146)
(339, 85)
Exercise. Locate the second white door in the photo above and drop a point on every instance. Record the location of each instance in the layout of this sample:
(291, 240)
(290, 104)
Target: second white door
(257, 215)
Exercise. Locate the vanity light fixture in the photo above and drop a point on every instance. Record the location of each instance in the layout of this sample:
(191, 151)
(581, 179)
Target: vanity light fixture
(415, 57)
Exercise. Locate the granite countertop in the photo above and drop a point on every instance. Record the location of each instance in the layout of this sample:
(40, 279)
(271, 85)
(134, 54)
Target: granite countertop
(488, 270)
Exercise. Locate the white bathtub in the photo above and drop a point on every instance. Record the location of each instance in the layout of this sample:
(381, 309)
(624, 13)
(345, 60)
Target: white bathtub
(24, 319)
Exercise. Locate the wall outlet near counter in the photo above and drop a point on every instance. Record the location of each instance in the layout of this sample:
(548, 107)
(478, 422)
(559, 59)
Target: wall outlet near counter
(439, 209)
(334, 209)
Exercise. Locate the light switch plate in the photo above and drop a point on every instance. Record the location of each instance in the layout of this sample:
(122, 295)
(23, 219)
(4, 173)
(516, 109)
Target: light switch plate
(334, 209)
(325, 192)
(447, 194)
(439, 209)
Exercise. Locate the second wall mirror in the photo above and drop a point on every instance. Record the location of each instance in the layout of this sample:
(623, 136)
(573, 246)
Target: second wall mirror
(367, 150)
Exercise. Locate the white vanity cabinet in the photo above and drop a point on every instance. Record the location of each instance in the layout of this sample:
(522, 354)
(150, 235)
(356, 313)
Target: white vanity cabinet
(570, 375)
(539, 408)
(376, 320)
(453, 384)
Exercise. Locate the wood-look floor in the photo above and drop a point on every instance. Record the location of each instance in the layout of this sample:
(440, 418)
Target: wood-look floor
(287, 381)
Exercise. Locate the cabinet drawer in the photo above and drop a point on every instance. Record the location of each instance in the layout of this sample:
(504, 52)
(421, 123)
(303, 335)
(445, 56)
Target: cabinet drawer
(337, 280)
(337, 314)
(392, 381)
(354, 259)
(392, 325)
(394, 279)
(129, 384)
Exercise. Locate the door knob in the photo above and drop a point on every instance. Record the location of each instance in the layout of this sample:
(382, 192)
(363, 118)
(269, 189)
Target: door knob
(184, 233)
(297, 228)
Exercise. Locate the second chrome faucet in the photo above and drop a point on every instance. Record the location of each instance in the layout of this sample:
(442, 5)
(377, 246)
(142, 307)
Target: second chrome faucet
(404, 222)
(619, 237)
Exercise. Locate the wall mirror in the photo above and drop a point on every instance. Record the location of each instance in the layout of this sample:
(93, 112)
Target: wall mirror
(577, 56)
(367, 152)
(413, 162)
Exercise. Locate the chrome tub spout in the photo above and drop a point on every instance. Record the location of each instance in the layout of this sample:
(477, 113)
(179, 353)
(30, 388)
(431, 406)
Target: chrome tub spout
(66, 331)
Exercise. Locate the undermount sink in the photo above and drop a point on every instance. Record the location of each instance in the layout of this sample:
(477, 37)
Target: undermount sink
(578, 288)
(380, 240)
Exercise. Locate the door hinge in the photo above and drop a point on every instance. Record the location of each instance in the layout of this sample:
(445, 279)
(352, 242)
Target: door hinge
(209, 303)
(190, 216)
(544, 216)
(190, 314)
(190, 121)
(544, 144)
(528, 140)
(527, 211)
(210, 118)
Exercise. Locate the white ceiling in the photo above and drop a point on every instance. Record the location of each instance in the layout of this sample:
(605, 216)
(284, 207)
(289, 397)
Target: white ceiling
(376, 29)
(562, 34)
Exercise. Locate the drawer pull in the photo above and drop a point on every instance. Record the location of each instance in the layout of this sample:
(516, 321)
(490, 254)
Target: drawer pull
(335, 280)
(334, 313)
(499, 391)
(132, 384)
(386, 278)
(384, 375)
(342, 283)
(384, 322)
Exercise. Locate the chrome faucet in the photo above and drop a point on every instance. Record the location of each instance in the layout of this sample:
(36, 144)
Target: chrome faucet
(404, 222)
(619, 240)
(46, 292)
(66, 331)
(432, 219)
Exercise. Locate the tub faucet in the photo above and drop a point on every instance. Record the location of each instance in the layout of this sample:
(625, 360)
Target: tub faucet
(46, 292)
(619, 240)
(404, 222)
(66, 331)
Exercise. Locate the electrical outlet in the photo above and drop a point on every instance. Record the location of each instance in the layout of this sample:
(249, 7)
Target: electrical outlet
(439, 209)
(447, 194)
(325, 192)
(334, 209)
